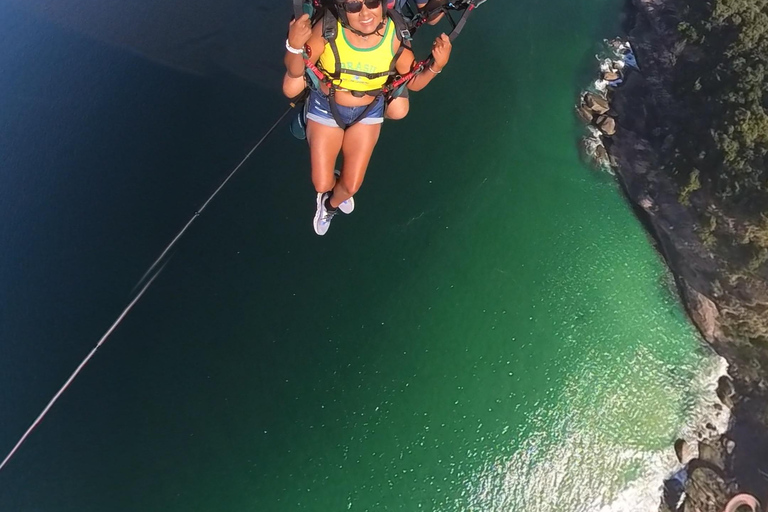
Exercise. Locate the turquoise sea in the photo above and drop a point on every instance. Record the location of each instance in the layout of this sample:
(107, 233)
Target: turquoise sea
(491, 329)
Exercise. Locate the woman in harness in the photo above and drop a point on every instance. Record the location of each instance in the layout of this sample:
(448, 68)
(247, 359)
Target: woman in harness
(345, 113)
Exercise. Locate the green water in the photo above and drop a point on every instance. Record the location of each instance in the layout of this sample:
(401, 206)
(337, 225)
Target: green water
(491, 329)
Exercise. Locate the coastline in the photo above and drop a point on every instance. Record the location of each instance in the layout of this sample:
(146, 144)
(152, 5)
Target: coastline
(645, 115)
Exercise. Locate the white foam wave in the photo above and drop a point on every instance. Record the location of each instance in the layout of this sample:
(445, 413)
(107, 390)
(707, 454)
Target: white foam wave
(592, 455)
(644, 494)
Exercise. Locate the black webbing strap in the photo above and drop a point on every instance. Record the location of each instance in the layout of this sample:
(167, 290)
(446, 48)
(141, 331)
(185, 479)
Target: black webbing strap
(337, 115)
(401, 26)
(298, 8)
(398, 53)
(420, 66)
(463, 21)
(369, 76)
(435, 7)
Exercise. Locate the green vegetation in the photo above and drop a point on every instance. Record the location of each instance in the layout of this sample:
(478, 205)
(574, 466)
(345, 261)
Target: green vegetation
(723, 83)
(707, 230)
(721, 150)
(693, 185)
(756, 236)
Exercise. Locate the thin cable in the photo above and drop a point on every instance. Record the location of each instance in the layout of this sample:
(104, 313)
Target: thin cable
(138, 296)
(80, 367)
(215, 192)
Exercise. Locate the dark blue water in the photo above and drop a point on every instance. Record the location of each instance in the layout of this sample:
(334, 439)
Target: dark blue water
(104, 156)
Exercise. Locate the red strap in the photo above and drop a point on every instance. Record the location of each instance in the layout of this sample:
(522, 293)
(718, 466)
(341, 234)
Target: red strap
(319, 74)
(408, 76)
(314, 69)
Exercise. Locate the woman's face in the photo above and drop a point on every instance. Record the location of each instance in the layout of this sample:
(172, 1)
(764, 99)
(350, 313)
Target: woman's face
(368, 18)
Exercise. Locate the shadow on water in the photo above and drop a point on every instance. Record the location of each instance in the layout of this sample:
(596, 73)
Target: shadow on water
(202, 37)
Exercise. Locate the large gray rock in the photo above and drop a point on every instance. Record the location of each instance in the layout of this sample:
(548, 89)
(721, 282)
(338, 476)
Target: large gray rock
(705, 315)
(585, 113)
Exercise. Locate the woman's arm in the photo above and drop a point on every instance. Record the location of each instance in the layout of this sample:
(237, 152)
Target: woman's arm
(441, 51)
(301, 33)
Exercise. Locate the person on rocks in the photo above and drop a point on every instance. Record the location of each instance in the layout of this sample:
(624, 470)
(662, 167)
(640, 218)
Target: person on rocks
(345, 117)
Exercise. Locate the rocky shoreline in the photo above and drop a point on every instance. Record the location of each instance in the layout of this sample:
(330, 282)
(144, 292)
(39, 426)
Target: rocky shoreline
(635, 125)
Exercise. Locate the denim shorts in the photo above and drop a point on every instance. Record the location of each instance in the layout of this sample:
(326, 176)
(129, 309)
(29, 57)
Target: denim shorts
(319, 110)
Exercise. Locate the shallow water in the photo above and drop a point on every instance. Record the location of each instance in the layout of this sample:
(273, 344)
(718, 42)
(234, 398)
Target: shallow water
(491, 330)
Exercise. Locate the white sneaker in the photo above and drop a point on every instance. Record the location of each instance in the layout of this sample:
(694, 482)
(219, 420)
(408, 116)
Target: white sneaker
(323, 217)
(347, 206)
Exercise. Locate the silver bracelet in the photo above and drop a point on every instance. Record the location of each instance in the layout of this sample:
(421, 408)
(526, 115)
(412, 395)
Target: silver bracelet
(295, 51)
(432, 70)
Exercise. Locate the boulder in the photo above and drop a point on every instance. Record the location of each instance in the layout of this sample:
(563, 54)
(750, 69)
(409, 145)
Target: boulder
(685, 451)
(595, 103)
(725, 390)
(601, 156)
(606, 124)
(585, 113)
(712, 452)
(706, 491)
(610, 76)
(646, 203)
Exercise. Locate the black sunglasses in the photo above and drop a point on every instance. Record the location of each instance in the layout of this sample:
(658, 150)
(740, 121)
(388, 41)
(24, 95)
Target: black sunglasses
(355, 6)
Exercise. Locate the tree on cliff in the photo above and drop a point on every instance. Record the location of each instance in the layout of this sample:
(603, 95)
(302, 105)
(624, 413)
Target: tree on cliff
(721, 150)
(726, 87)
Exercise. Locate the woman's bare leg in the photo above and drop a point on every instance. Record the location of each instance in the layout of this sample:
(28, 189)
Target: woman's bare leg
(397, 108)
(357, 147)
(324, 147)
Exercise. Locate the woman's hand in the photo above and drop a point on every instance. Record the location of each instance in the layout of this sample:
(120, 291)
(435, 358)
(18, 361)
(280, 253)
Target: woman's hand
(299, 32)
(441, 51)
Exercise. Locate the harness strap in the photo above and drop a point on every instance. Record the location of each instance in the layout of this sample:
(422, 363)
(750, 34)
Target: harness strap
(370, 76)
(310, 7)
(424, 64)
(298, 8)
(401, 26)
(403, 35)
(330, 33)
(395, 87)
(337, 115)
(316, 77)
(463, 21)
